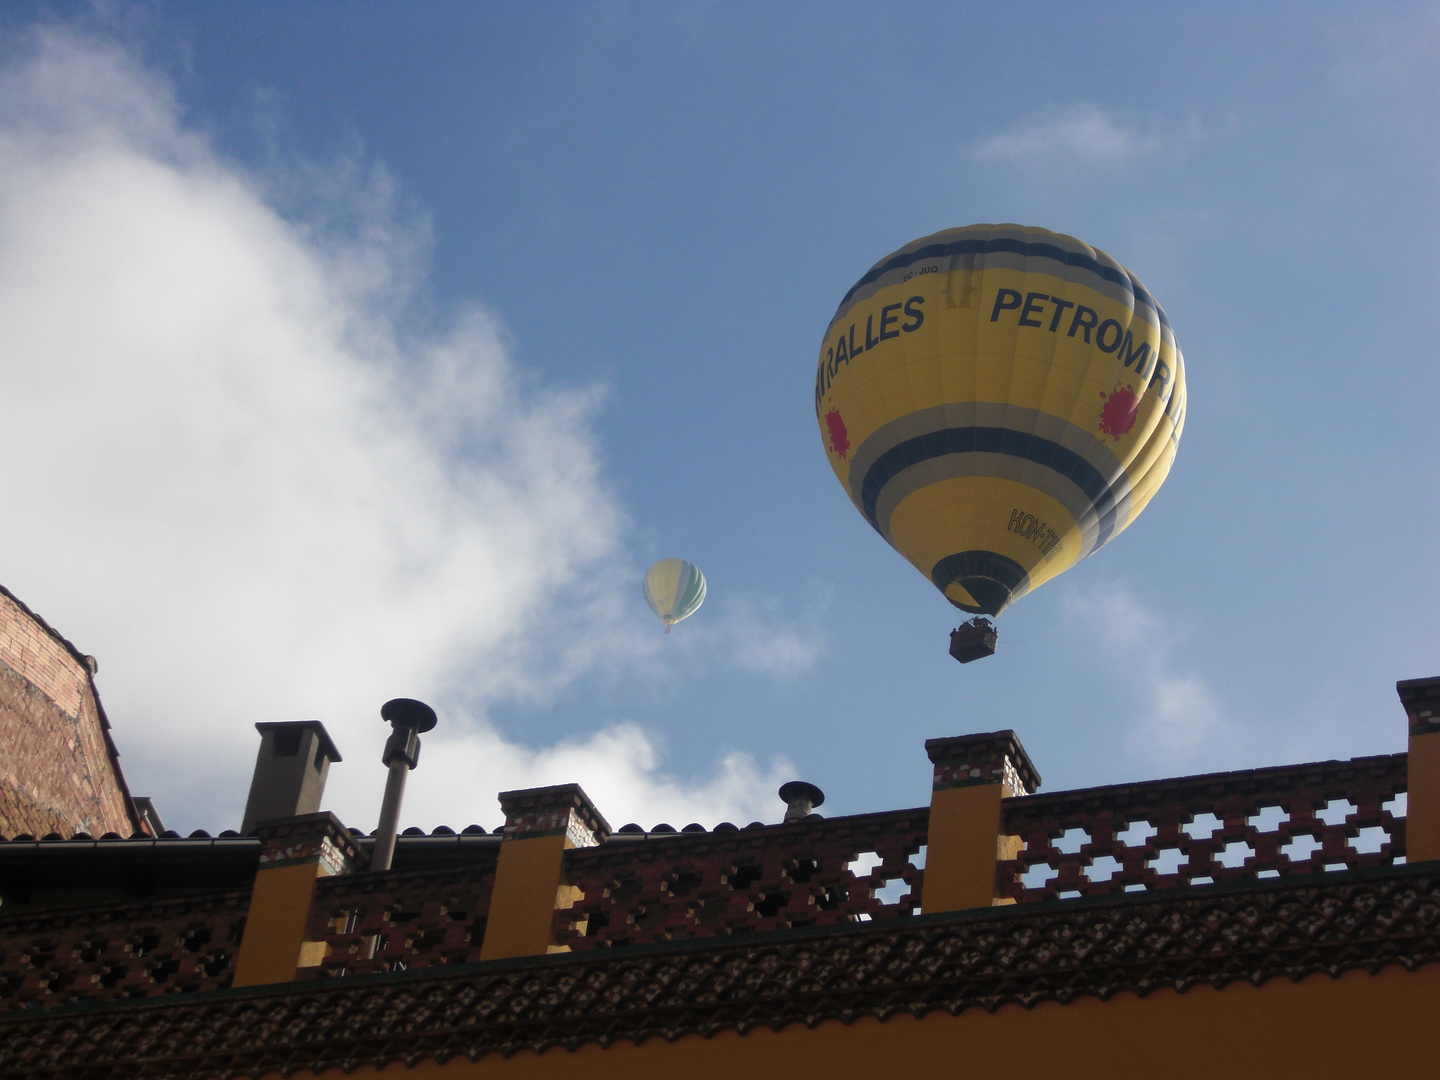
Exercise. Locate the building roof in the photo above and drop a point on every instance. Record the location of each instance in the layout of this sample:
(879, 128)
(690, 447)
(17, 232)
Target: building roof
(981, 959)
(641, 888)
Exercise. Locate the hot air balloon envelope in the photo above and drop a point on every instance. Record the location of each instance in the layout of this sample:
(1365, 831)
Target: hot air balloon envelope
(674, 589)
(999, 402)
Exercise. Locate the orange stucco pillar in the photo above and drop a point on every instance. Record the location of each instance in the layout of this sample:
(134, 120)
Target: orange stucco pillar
(973, 773)
(541, 824)
(295, 853)
(1421, 698)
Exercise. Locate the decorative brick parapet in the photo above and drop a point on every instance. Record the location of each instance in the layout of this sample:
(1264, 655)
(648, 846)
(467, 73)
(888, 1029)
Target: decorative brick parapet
(401, 919)
(110, 952)
(562, 810)
(995, 757)
(986, 959)
(308, 838)
(1273, 822)
(740, 881)
(1421, 698)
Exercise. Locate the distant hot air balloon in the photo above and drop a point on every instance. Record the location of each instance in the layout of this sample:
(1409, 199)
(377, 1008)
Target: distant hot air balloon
(999, 402)
(674, 589)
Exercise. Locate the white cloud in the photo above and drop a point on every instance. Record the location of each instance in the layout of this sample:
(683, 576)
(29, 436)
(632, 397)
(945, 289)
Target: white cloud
(617, 767)
(771, 650)
(756, 636)
(1083, 133)
(1179, 713)
(234, 477)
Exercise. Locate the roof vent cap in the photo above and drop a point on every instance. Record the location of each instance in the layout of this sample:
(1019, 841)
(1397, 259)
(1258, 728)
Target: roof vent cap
(801, 799)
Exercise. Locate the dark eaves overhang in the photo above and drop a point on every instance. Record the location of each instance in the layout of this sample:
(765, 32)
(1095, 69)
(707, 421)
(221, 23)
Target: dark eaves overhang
(1059, 951)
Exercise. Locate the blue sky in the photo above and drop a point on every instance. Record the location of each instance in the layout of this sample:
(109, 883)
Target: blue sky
(411, 335)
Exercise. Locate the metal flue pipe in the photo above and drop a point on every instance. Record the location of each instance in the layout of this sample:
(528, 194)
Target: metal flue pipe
(384, 850)
(407, 718)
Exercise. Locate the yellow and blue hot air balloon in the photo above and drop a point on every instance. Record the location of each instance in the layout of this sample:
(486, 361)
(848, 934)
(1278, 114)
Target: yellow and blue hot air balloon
(674, 589)
(999, 402)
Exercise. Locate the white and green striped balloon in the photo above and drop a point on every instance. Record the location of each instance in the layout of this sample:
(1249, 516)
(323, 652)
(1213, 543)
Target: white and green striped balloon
(674, 589)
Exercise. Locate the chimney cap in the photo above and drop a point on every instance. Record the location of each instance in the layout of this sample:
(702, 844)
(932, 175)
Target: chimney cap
(409, 713)
(987, 750)
(1417, 689)
(799, 788)
(325, 743)
(532, 811)
(800, 800)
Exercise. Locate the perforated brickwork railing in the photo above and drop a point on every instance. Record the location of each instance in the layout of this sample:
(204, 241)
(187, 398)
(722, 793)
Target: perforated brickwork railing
(131, 950)
(401, 919)
(730, 881)
(1240, 826)
(1230, 827)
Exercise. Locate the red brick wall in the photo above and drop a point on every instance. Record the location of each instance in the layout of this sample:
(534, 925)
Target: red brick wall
(56, 772)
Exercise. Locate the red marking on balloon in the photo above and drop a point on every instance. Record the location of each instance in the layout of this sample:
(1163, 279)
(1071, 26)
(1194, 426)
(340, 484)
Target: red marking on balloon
(839, 437)
(1117, 416)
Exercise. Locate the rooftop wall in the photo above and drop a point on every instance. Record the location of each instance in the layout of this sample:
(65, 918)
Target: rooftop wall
(58, 772)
